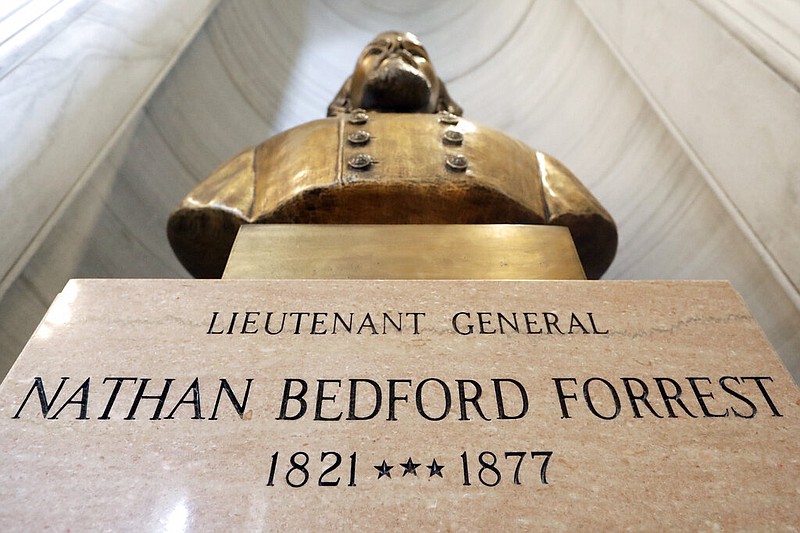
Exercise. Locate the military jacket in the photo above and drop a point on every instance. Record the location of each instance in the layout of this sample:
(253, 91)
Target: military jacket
(387, 168)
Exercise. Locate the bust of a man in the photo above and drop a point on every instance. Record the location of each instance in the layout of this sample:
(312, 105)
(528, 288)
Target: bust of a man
(393, 150)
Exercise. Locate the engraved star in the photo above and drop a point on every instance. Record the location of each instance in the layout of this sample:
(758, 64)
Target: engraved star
(383, 470)
(409, 467)
(435, 468)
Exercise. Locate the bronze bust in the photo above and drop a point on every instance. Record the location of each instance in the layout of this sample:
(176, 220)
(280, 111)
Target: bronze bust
(393, 150)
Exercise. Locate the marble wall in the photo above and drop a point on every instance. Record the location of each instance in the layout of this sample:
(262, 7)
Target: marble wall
(647, 135)
(74, 76)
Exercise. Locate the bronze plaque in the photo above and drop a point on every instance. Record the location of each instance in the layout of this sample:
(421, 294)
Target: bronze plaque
(454, 405)
(409, 251)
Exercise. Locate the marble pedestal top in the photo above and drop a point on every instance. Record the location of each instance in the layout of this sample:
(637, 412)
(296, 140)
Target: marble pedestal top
(450, 405)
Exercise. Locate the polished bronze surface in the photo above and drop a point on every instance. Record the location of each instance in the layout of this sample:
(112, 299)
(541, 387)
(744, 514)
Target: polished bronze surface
(407, 251)
(395, 151)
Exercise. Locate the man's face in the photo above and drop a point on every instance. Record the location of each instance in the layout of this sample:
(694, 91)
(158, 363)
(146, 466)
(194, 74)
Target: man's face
(394, 73)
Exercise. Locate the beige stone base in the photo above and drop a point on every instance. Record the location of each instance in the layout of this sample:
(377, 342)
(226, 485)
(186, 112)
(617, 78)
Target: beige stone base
(351, 405)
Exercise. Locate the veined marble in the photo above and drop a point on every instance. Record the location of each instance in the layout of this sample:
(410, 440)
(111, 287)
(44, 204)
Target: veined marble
(66, 101)
(537, 70)
(730, 95)
(770, 30)
(249, 428)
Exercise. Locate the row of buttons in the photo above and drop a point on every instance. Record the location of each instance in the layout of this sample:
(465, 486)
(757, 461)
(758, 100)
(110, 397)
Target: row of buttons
(361, 161)
(455, 162)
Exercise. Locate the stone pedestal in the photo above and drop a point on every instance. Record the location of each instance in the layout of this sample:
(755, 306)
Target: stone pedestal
(454, 405)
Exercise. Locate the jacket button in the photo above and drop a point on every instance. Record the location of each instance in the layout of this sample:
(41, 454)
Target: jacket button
(456, 162)
(445, 117)
(453, 137)
(358, 137)
(360, 161)
(358, 116)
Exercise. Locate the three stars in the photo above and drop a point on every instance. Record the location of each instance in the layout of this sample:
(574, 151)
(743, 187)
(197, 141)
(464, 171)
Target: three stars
(409, 467)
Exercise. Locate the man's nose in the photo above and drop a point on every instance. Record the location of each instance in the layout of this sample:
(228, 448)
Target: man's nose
(395, 46)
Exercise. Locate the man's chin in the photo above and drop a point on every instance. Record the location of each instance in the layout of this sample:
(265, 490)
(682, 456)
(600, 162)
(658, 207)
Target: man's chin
(397, 88)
